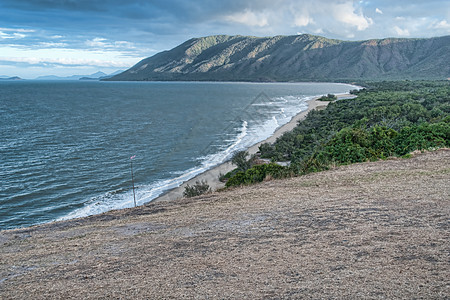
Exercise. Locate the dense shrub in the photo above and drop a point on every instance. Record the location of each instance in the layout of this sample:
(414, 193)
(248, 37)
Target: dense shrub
(257, 174)
(393, 105)
(329, 97)
(386, 119)
(355, 145)
(422, 137)
(352, 145)
(199, 188)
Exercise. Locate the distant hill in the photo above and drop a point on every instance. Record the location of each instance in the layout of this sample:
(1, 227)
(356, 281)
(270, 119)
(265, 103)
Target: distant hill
(94, 76)
(110, 75)
(295, 58)
(10, 78)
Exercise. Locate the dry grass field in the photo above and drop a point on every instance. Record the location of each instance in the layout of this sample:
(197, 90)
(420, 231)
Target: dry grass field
(376, 230)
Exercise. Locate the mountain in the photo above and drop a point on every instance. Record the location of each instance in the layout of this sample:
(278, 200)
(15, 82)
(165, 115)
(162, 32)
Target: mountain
(101, 75)
(111, 75)
(295, 58)
(54, 77)
(94, 76)
(116, 72)
(10, 78)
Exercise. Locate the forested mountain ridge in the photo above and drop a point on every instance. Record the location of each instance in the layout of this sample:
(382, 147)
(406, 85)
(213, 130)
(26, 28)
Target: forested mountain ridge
(296, 58)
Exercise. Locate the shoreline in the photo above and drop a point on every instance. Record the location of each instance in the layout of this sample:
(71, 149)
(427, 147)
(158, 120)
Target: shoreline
(211, 176)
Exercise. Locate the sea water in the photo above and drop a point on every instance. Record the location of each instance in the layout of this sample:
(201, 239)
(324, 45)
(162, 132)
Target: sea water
(65, 147)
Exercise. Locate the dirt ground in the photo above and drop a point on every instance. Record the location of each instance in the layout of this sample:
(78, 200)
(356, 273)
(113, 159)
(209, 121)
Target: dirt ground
(375, 231)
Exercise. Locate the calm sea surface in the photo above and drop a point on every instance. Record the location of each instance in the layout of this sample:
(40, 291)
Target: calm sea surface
(65, 147)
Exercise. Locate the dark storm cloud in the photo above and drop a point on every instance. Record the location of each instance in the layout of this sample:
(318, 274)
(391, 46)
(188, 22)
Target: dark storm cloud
(53, 12)
(117, 18)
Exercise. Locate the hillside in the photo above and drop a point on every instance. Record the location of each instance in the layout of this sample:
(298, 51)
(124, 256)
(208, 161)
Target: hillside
(296, 58)
(375, 230)
(10, 78)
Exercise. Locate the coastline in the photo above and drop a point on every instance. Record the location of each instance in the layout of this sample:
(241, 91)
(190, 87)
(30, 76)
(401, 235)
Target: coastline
(211, 176)
(210, 166)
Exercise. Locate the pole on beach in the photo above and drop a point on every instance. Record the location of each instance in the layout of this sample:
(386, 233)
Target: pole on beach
(132, 178)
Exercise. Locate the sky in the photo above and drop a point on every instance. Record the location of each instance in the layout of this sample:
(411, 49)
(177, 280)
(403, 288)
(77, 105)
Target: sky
(68, 37)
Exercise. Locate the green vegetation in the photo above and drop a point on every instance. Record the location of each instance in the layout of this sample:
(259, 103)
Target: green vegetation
(329, 97)
(386, 119)
(199, 188)
(240, 160)
(258, 173)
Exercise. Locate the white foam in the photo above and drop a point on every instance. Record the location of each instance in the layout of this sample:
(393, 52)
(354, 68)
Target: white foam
(144, 194)
(282, 109)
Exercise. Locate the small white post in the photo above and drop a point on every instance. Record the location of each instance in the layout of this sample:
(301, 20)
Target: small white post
(132, 178)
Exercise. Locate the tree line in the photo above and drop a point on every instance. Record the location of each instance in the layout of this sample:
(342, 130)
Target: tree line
(389, 118)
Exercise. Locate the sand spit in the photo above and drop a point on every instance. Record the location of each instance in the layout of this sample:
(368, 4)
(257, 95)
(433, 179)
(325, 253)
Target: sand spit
(373, 230)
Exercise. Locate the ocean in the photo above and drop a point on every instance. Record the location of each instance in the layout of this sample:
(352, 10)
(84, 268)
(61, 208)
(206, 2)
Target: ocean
(65, 147)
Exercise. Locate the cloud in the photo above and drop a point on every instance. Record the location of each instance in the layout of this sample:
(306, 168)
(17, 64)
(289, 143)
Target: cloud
(16, 29)
(248, 18)
(53, 55)
(442, 25)
(14, 33)
(97, 43)
(318, 31)
(332, 18)
(401, 32)
(164, 24)
(303, 20)
(65, 62)
(52, 45)
(124, 44)
(105, 44)
(345, 13)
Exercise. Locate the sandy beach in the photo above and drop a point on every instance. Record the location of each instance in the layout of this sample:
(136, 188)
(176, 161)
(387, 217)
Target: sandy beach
(212, 176)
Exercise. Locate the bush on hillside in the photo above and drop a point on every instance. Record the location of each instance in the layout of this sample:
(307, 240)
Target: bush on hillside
(199, 188)
(257, 174)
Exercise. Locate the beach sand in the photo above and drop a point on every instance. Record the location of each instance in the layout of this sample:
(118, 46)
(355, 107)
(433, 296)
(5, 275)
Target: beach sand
(212, 176)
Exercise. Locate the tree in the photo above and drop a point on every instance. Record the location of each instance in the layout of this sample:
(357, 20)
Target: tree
(240, 160)
(329, 97)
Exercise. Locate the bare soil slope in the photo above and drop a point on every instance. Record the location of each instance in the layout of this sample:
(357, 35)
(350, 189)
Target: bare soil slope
(373, 230)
